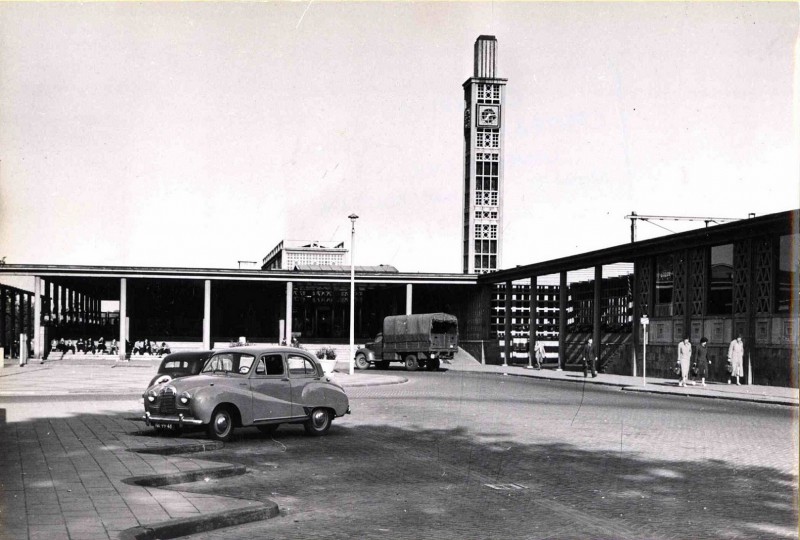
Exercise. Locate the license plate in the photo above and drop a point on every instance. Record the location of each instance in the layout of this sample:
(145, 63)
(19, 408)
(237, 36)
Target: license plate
(162, 425)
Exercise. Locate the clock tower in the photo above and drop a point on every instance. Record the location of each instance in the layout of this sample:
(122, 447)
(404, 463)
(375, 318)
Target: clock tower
(484, 96)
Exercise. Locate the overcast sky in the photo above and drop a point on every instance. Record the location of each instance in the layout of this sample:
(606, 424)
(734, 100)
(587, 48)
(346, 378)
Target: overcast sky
(201, 134)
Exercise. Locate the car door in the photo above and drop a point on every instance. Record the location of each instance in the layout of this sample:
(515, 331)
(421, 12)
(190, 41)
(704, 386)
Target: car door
(302, 371)
(271, 389)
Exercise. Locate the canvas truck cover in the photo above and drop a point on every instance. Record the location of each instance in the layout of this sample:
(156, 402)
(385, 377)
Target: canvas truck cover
(412, 332)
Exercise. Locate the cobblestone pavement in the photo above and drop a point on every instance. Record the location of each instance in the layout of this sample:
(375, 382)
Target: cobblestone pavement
(458, 455)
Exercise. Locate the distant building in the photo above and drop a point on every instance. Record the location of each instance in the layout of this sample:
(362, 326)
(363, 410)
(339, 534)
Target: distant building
(290, 253)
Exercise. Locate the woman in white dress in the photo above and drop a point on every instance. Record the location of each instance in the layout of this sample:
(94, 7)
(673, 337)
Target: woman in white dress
(736, 358)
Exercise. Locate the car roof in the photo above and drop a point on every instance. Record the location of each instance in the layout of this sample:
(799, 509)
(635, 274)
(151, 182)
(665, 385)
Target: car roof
(187, 355)
(255, 350)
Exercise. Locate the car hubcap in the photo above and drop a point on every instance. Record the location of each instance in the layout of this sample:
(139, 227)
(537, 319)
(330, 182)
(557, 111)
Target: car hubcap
(319, 418)
(221, 423)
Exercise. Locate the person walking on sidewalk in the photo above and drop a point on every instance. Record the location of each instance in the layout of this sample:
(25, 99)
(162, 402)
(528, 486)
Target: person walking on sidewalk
(736, 358)
(538, 350)
(685, 359)
(589, 359)
(701, 358)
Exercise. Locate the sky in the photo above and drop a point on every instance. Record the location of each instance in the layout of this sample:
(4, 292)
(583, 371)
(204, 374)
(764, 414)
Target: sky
(202, 134)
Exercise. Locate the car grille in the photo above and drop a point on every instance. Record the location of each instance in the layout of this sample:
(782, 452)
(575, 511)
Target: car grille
(166, 402)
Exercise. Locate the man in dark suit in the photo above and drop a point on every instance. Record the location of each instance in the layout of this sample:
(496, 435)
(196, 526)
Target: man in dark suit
(589, 359)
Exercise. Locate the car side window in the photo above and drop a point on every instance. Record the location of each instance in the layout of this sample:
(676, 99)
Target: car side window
(301, 367)
(270, 364)
(245, 363)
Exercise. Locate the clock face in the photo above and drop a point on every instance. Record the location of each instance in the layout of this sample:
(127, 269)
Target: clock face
(488, 116)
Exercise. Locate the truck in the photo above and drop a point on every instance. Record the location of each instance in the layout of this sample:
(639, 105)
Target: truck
(421, 340)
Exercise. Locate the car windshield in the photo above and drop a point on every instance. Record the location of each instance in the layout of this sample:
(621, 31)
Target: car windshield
(230, 363)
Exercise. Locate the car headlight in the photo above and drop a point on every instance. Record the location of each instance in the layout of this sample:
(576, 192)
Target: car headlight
(185, 398)
(151, 396)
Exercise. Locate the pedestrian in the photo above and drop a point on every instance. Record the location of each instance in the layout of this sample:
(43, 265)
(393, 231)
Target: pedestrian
(114, 347)
(101, 345)
(702, 361)
(685, 360)
(539, 352)
(736, 358)
(589, 359)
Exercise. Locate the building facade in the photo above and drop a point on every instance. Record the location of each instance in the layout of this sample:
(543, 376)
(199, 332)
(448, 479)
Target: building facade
(290, 253)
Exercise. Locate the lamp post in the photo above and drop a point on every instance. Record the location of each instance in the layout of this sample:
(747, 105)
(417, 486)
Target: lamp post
(353, 219)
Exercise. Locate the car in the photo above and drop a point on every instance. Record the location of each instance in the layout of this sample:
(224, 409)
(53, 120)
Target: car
(180, 364)
(261, 386)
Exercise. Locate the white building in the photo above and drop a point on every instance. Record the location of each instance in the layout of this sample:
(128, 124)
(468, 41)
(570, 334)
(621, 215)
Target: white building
(290, 253)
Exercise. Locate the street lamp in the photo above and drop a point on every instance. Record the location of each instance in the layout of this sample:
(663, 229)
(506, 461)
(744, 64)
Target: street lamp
(353, 219)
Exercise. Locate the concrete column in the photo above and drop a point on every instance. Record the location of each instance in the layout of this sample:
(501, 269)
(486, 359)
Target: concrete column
(534, 316)
(596, 310)
(13, 322)
(58, 304)
(409, 298)
(562, 320)
(123, 317)
(288, 325)
(3, 304)
(636, 313)
(507, 323)
(207, 314)
(37, 318)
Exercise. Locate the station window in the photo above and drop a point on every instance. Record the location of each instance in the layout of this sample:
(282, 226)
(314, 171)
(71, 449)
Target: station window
(664, 279)
(788, 268)
(720, 294)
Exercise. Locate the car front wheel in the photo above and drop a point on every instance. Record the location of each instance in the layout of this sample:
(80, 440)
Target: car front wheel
(361, 361)
(319, 422)
(221, 426)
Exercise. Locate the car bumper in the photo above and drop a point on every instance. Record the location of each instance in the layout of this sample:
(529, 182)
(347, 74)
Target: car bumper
(178, 420)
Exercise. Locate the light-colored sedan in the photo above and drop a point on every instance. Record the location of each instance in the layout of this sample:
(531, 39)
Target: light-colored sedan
(249, 386)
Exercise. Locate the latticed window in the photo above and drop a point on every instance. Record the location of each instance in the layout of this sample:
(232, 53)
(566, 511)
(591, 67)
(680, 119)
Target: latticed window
(741, 276)
(486, 214)
(763, 275)
(679, 290)
(485, 230)
(488, 138)
(697, 273)
(486, 180)
(645, 279)
(488, 93)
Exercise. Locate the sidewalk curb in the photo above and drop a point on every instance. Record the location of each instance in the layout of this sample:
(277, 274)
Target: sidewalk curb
(396, 379)
(666, 391)
(175, 528)
(768, 401)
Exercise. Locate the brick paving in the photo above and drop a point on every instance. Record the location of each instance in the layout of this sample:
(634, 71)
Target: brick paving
(453, 454)
(459, 455)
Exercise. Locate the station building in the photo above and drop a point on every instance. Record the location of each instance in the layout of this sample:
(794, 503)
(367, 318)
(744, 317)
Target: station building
(739, 277)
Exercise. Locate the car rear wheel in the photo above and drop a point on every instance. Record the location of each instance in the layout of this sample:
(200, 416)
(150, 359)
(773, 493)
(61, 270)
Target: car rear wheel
(411, 363)
(432, 364)
(361, 361)
(221, 426)
(319, 422)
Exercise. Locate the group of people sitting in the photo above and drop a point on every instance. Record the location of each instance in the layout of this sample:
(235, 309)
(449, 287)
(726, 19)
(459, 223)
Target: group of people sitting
(148, 347)
(87, 346)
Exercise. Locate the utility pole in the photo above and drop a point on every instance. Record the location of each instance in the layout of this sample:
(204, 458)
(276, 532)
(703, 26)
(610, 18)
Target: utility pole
(634, 217)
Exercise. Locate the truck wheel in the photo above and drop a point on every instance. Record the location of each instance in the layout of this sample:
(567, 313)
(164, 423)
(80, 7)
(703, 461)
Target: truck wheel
(361, 361)
(411, 363)
(432, 365)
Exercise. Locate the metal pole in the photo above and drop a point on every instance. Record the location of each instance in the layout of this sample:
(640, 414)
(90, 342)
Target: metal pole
(353, 219)
(644, 356)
